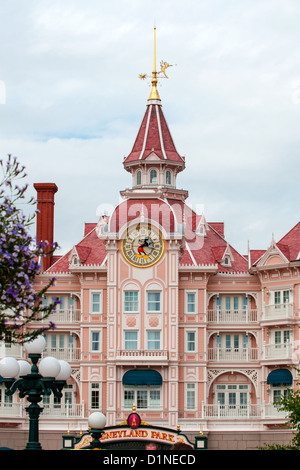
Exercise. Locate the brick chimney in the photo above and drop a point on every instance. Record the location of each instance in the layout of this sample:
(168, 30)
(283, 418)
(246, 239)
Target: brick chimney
(45, 216)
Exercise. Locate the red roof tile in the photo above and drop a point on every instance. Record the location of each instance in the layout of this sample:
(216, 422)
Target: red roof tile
(291, 241)
(154, 136)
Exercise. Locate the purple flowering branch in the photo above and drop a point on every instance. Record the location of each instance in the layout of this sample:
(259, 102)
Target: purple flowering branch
(20, 303)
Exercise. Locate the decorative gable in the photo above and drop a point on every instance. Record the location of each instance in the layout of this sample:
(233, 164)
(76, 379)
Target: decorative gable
(202, 227)
(79, 255)
(223, 255)
(275, 254)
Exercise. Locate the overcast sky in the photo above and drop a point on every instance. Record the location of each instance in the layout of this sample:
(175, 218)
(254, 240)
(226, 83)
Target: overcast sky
(71, 104)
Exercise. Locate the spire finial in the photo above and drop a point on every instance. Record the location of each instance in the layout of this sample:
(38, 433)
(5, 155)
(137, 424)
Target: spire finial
(154, 95)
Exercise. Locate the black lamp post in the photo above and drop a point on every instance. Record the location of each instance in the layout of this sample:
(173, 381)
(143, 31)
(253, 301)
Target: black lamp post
(34, 382)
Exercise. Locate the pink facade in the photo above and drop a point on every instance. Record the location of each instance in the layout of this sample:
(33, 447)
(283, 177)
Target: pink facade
(160, 312)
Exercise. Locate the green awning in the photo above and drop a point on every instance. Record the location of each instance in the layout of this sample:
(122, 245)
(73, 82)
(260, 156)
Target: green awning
(142, 377)
(280, 376)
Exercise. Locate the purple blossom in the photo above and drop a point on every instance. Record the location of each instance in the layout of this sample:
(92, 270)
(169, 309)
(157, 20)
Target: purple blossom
(18, 256)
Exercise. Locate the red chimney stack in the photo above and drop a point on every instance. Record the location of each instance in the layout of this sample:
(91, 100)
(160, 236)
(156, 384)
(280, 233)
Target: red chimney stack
(45, 216)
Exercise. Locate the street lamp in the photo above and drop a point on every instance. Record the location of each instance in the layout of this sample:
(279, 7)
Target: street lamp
(96, 422)
(34, 382)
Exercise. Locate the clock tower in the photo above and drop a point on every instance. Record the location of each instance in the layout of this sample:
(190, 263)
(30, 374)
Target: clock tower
(144, 241)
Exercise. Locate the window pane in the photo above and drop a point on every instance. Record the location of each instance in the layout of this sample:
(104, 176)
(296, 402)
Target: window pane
(130, 301)
(154, 398)
(190, 340)
(142, 399)
(153, 176)
(153, 339)
(191, 302)
(154, 301)
(130, 339)
(95, 341)
(128, 398)
(277, 298)
(95, 303)
(95, 402)
(286, 296)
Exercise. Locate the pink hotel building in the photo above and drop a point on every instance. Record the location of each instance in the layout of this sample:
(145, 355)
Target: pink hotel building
(159, 311)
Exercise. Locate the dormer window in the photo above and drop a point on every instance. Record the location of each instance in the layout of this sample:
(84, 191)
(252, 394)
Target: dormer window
(168, 177)
(153, 176)
(227, 261)
(138, 178)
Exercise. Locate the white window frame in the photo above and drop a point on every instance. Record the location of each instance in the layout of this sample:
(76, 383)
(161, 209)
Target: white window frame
(160, 301)
(146, 390)
(156, 178)
(132, 301)
(126, 332)
(187, 293)
(171, 178)
(190, 395)
(139, 172)
(154, 340)
(92, 293)
(93, 342)
(95, 388)
(188, 342)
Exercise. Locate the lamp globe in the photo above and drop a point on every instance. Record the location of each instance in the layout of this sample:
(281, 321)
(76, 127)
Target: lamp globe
(9, 367)
(97, 420)
(65, 370)
(49, 367)
(36, 345)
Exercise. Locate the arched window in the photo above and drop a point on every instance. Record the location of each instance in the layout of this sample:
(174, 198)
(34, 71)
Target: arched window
(168, 177)
(153, 177)
(138, 177)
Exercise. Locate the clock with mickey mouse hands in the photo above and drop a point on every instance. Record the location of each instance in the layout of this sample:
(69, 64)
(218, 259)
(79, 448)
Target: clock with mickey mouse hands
(142, 245)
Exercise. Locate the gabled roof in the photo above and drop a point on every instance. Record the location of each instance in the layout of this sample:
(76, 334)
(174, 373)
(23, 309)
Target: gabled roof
(208, 249)
(91, 251)
(290, 243)
(198, 250)
(286, 250)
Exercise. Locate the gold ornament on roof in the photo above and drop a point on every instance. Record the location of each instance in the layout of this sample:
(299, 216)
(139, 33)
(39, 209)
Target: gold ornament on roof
(154, 95)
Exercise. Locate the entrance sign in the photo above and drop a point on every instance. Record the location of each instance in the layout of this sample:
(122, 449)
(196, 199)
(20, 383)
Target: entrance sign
(134, 429)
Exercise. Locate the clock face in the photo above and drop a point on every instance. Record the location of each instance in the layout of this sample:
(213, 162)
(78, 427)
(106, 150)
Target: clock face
(143, 245)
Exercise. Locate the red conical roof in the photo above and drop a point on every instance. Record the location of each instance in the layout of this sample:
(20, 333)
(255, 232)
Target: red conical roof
(154, 137)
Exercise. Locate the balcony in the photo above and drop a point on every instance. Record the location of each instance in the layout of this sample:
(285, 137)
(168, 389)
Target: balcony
(66, 354)
(232, 354)
(267, 410)
(68, 316)
(63, 410)
(149, 356)
(278, 311)
(232, 316)
(10, 350)
(279, 351)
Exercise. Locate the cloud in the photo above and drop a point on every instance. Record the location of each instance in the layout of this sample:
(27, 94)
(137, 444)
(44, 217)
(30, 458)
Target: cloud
(73, 103)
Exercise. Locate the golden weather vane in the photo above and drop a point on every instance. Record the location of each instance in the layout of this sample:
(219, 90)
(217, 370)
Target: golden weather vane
(163, 66)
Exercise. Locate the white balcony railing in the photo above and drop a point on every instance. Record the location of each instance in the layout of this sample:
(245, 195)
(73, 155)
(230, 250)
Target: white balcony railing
(232, 316)
(207, 411)
(278, 351)
(66, 354)
(10, 350)
(150, 355)
(232, 354)
(64, 316)
(278, 311)
(249, 411)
